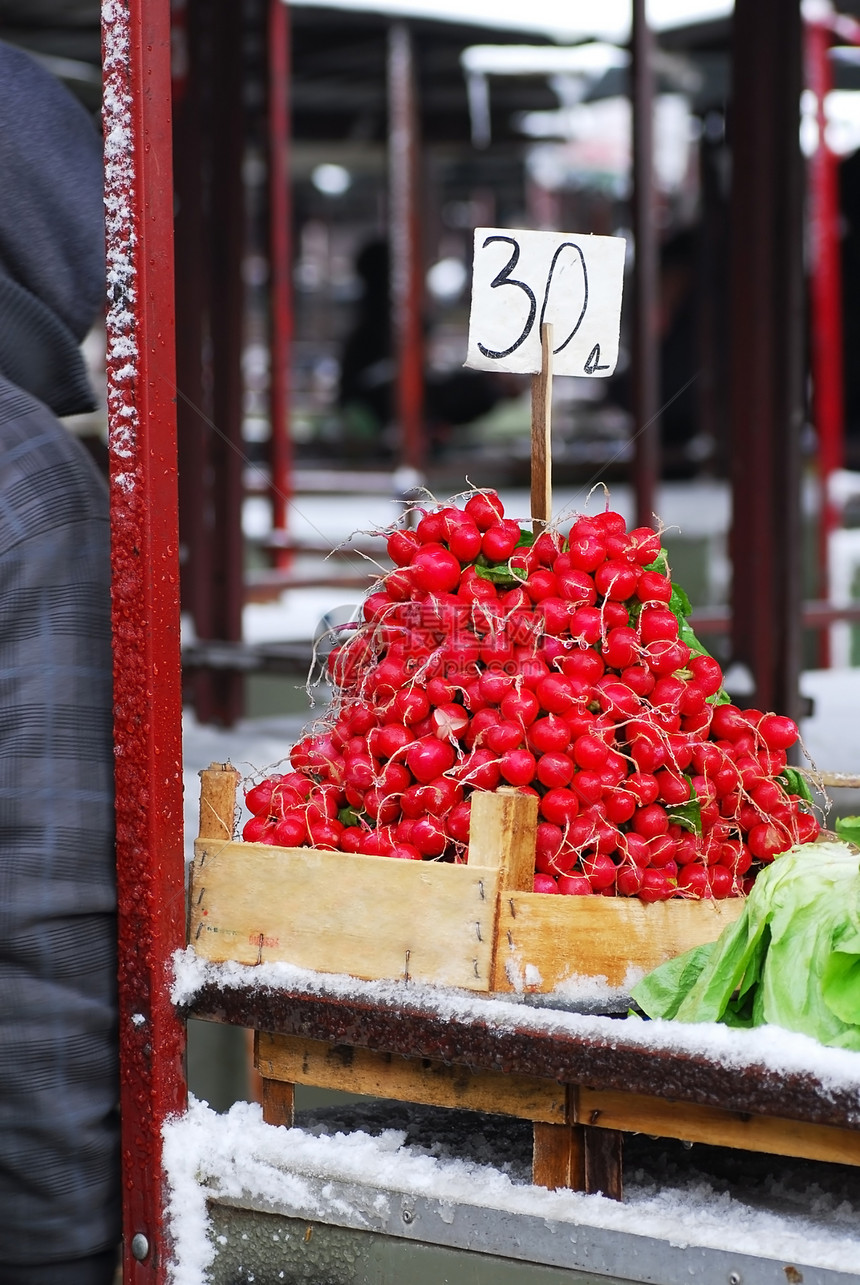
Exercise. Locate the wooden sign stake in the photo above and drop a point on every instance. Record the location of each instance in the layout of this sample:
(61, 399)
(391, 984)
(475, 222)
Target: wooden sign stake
(542, 434)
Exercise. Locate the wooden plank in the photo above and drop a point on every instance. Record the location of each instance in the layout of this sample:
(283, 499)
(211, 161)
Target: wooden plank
(371, 917)
(278, 1100)
(604, 1150)
(546, 940)
(424, 1080)
(217, 801)
(541, 480)
(502, 835)
(665, 1118)
(558, 1157)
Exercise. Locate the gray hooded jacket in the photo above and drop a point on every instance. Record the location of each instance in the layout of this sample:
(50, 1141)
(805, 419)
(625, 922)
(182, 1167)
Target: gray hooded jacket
(59, 1145)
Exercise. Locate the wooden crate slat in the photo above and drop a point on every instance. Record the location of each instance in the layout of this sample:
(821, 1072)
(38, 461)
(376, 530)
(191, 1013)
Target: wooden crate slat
(371, 917)
(545, 940)
(665, 1118)
(423, 1080)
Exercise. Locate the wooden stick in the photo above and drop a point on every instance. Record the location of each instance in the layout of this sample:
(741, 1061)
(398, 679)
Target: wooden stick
(217, 801)
(842, 780)
(542, 433)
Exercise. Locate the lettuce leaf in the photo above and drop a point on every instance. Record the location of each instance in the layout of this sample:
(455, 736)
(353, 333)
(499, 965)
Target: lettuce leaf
(792, 959)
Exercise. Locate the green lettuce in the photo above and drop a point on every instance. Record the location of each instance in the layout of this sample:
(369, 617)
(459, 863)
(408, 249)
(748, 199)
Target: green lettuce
(792, 959)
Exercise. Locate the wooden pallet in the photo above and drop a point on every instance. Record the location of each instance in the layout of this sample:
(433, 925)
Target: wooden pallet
(577, 1128)
(476, 926)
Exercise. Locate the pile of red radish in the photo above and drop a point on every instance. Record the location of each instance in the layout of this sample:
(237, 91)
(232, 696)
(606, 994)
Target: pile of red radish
(562, 666)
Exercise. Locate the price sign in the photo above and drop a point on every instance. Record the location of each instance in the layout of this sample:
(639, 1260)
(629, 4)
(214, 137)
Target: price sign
(521, 279)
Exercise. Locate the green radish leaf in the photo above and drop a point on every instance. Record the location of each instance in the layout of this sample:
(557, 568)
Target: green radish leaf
(661, 564)
(503, 574)
(793, 781)
(348, 816)
(679, 603)
(687, 815)
(848, 828)
(526, 540)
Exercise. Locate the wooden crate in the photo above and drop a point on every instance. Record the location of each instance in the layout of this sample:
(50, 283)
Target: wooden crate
(476, 926)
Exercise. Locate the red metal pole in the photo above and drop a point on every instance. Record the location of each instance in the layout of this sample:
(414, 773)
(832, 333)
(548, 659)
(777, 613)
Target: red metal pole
(280, 276)
(826, 302)
(144, 523)
(404, 224)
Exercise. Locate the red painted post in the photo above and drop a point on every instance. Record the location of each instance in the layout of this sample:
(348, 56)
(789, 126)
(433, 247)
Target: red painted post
(406, 276)
(280, 275)
(825, 303)
(142, 425)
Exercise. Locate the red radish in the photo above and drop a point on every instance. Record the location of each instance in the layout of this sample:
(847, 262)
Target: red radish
(576, 587)
(574, 885)
(651, 821)
(485, 509)
(707, 674)
(291, 830)
(554, 694)
(429, 837)
(480, 769)
(628, 880)
(653, 587)
(259, 829)
(429, 758)
(500, 540)
(435, 569)
(402, 547)
(616, 579)
(544, 883)
(586, 625)
(586, 550)
(521, 707)
(644, 545)
(549, 732)
(464, 541)
(777, 732)
(518, 767)
(554, 770)
(405, 852)
(600, 870)
(504, 736)
(694, 881)
(657, 624)
(559, 806)
(458, 820)
(450, 721)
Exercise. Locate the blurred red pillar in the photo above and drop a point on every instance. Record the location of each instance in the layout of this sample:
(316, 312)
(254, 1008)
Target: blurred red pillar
(280, 274)
(405, 237)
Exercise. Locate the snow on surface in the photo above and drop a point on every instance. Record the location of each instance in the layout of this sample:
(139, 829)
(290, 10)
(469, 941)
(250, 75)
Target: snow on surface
(770, 1047)
(238, 1156)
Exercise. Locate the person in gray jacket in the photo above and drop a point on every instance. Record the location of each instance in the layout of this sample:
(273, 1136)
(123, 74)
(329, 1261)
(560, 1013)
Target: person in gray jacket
(59, 1087)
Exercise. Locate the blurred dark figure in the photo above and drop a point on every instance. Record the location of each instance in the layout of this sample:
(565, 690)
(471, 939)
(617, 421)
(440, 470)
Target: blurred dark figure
(679, 356)
(679, 343)
(368, 368)
(59, 1084)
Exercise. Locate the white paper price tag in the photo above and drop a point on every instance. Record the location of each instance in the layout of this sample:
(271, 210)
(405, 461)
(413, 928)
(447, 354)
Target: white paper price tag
(521, 279)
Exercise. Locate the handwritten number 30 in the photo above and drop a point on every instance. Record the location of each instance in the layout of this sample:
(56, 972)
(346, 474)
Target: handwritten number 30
(504, 278)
